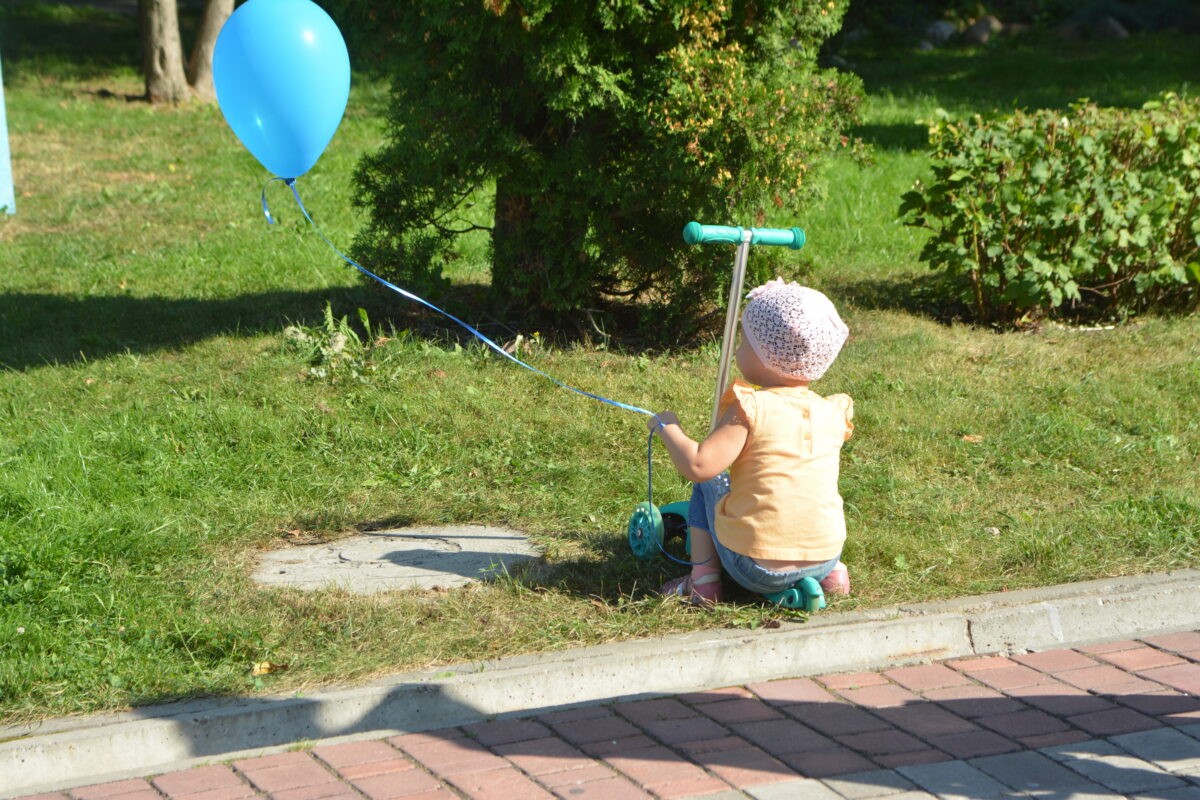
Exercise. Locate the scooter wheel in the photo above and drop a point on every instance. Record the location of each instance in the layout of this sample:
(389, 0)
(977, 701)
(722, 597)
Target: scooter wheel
(645, 530)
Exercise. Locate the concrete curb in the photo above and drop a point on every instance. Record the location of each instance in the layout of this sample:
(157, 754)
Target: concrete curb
(63, 753)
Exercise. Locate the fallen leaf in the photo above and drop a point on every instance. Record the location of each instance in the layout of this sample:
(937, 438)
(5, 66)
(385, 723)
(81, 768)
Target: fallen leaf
(266, 668)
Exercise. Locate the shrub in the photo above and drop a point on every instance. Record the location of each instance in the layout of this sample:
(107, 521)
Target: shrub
(1038, 213)
(604, 127)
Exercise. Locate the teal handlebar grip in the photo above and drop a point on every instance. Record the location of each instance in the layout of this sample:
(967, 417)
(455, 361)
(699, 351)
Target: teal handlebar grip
(695, 233)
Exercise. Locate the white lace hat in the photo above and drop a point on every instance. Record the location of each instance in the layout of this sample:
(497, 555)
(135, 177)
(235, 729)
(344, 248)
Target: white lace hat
(794, 330)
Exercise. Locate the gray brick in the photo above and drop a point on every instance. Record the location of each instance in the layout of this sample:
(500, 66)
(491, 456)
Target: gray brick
(952, 780)
(876, 783)
(1110, 766)
(1033, 772)
(1186, 793)
(806, 788)
(1170, 749)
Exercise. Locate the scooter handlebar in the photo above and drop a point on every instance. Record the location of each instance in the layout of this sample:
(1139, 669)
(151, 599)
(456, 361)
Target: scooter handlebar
(695, 233)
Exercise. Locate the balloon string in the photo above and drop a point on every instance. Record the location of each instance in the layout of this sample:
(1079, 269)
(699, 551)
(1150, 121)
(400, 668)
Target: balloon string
(291, 183)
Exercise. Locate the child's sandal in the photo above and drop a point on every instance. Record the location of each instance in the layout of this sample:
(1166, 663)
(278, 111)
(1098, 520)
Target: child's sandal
(704, 591)
(837, 581)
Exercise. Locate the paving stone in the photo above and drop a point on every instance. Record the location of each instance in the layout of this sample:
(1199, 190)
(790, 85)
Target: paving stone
(741, 710)
(1055, 661)
(783, 736)
(398, 784)
(595, 729)
(874, 783)
(506, 730)
(1023, 723)
(824, 763)
(1109, 647)
(673, 731)
(1184, 677)
(1103, 679)
(1169, 706)
(882, 742)
(1140, 658)
(500, 784)
(1005, 678)
(1060, 699)
(1114, 721)
(576, 777)
(1031, 771)
(746, 767)
(797, 690)
(716, 695)
(614, 788)
(608, 746)
(951, 780)
(113, 789)
(331, 791)
(544, 756)
(883, 696)
(926, 676)
(973, 700)
(791, 790)
(1185, 793)
(653, 710)
(974, 664)
(1110, 766)
(895, 760)
(200, 779)
(344, 755)
(925, 719)
(973, 744)
(1187, 642)
(1053, 739)
(301, 773)
(852, 680)
(837, 718)
(1169, 748)
(373, 768)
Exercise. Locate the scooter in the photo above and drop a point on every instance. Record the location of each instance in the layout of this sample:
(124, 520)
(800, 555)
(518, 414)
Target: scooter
(650, 525)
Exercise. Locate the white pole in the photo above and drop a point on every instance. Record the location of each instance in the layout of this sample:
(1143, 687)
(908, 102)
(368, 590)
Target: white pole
(731, 320)
(8, 200)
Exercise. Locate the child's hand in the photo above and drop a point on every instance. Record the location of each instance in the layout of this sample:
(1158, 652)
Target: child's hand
(661, 419)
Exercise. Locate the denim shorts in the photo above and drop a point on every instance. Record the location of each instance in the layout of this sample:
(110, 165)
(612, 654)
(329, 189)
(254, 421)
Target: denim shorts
(744, 570)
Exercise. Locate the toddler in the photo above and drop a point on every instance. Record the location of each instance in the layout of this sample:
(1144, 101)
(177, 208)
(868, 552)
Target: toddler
(776, 516)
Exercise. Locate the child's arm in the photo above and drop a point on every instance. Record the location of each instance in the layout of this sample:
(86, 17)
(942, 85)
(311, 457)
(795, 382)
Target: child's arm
(699, 462)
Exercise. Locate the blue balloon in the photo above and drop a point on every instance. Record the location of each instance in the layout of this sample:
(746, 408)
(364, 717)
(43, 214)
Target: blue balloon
(282, 76)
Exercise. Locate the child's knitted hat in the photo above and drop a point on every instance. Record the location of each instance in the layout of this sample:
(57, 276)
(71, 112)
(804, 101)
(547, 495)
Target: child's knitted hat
(794, 330)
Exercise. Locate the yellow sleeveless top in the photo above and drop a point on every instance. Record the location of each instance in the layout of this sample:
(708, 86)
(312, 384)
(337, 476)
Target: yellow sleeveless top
(783, 500)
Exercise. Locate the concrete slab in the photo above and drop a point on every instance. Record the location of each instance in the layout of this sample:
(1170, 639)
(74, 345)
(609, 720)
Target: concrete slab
(406, 558)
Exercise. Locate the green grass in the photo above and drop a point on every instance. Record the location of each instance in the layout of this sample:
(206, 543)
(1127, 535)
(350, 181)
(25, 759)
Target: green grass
(158, 428)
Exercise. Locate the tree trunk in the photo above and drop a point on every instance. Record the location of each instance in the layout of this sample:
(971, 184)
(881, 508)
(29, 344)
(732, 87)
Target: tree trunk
(162, 52)
(199, 70)
(516, 268)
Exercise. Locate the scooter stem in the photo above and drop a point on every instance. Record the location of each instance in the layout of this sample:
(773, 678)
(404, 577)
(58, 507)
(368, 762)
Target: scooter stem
(731, 320)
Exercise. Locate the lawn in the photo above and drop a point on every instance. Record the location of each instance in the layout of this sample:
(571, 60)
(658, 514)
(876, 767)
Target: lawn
(158, 427)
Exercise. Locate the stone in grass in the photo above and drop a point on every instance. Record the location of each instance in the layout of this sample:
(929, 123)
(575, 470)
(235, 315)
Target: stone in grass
(407, 558)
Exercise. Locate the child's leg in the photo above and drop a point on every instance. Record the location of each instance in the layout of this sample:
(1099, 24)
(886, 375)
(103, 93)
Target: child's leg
(703, 583)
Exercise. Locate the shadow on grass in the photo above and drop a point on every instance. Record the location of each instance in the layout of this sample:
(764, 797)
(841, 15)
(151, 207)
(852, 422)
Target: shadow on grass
(44, 329)
(923, 295)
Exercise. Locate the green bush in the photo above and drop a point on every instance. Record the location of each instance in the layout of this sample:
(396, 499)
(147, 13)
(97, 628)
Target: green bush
(604, 128)
(1093, 211)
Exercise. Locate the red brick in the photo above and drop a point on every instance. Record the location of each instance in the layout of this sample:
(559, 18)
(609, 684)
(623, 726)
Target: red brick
(47, 796)
(371, 768)
(926, 719)
(595, 729)
(500, 784)
(344, 755)
(574, 777)
(200, 779)
(544, 756)
(699, 748)
(1173, 708)
(1060, 699)
(826, 763)
(506, 730)
(1188, 642)
(1005, 678)
(928, 676)
(1113, 722)
(684, 730)
(112, 789)
(1055, 661)
(242, 791)
(689, 788)
(973, 701)
(973, 744)
(746, 766)
(882, 742)
(1053, 739)
(653, 710)
(741, 710)
(1141, 658)
(1023, 723)
(322, 791)
(454, 757)
(979, 663)
(852, 680)
(655, 767)
(398, 784)
(1184, 677)
(298, 775)
(290, 759)
(879, 696)
(575, 714)
(615, 788)
(837, 718)
(627, 745)
(406, 740)
(783, 736)
(714, 695)
(1099, 679)
(798, 690)
(1109, 647)
(894, 760)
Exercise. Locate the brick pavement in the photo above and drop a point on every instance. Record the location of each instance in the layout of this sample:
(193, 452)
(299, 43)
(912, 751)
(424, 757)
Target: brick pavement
(1110, 720)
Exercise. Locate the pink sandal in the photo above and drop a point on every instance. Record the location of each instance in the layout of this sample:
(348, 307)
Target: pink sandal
(704, 591)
